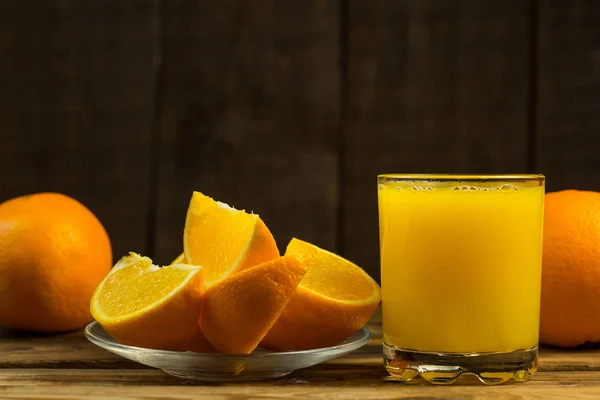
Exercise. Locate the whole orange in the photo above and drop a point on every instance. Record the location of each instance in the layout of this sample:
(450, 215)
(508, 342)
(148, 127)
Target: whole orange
(54, 252)
(570, 310)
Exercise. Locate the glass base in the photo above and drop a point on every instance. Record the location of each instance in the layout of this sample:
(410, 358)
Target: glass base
(445, 369)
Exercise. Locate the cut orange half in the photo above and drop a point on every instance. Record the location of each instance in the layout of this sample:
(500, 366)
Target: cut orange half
(334, 300)
(224, 240)
(140, 304)
(239, 310)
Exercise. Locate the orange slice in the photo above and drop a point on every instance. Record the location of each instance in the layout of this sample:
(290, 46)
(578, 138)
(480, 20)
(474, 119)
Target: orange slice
(179, 260)
(224, 240)
(199, 344)
(333, 301)
(140, 304)
(239, 310)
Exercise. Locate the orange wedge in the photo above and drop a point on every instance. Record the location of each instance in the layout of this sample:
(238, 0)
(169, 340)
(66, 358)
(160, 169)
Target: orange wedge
(224, 240)
(140, 304)
(179, 260)
(333, 301)
(239, 310)
(199, 344)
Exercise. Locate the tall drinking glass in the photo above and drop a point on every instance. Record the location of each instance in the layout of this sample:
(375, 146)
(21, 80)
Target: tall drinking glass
(461, 275)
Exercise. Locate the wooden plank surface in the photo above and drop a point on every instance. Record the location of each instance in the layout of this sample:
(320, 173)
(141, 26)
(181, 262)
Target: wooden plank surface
(434, 86)
(568, 95)
(68, 365)
(345, 383)
(73, 350)
(250, 115)
(76, 107)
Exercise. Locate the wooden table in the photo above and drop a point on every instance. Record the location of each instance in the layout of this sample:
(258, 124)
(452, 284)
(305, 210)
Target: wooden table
(68, 366)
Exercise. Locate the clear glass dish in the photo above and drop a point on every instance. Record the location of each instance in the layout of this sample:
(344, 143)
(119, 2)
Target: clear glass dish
(259, 365)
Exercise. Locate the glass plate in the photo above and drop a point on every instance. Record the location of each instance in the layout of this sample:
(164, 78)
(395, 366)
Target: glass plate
(259, 365)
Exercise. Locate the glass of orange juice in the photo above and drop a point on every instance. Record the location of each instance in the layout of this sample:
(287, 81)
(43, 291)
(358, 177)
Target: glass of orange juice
(461, 275)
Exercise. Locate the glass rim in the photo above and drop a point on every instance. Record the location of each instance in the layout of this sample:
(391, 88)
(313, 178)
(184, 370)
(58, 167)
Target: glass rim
(463, 177)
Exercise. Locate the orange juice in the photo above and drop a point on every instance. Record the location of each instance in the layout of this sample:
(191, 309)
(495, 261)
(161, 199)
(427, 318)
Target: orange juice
(460, 264)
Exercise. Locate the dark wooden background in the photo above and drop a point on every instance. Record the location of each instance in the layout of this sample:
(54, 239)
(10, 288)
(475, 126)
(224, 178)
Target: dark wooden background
(289, 108)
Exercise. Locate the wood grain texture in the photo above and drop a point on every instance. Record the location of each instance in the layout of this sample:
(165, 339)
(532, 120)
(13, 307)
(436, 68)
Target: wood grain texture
(76, 106)
(250, 115)
(553, 359)
(73, 350)
(434, 86)
(308, 384)
(68, 365)
(568, 96)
